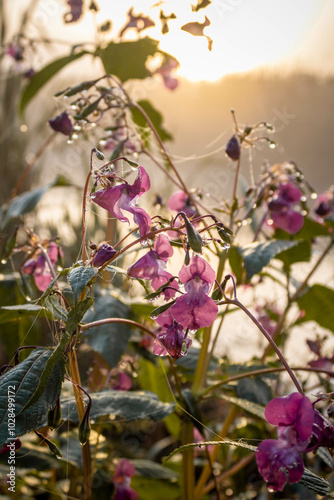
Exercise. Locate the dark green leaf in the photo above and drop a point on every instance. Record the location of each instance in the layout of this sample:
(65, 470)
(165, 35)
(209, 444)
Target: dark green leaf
(257, 255)
(315, 483)
(299, 253)
(14, 313)
(161, 309)
(148, 468)
(33, 457)
(88, 110)
(77, 312)
(79, 277)
(109, 340)
(128, 59)
(154, 116)
(25, 377)
(317, 303)
(190, 361)
(44, 75)
(255, 390)
(78, 88)
(128, 405)
(235, 261)
(52, 304)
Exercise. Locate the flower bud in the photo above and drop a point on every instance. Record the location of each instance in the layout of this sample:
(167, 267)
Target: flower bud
(194, 238)
(54, 416)
(84, 427)
(62, 124)
(103, 253)
(233, 148)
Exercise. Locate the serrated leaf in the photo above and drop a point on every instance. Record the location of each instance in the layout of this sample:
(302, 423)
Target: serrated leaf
(226, 442)
(24, 377)
(14, 313)
(127, 60)
(134, 405)
(44, 75)
(79, 277)
(249, 406)
(257, 255)
(52, 304)
(155, 117)
(77, 312)
(109, 340)
(317, 303)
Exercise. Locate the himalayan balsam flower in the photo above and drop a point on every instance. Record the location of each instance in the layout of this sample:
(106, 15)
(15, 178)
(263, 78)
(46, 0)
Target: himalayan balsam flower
(103, 253)
(325, 204)
(75, 12)
(39, 267)
(152, 266)
(300, 429)
(62, 124)
(195, 309)
(165, 71)
(173, 339)
(122, 479)
(179, 202)
(281, 208)
(123, 196)
(138, 22)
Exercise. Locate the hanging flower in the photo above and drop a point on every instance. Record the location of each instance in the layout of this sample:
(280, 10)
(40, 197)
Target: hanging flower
(173, 339)
(180, 202)
(152, 266)
(281, 208)
(122, 479)
(195, 309)
(103, 253)
(39, 267)
(123, 196)
(62, 123)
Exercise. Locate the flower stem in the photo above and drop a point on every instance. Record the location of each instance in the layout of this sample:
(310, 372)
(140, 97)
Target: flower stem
(106, 321)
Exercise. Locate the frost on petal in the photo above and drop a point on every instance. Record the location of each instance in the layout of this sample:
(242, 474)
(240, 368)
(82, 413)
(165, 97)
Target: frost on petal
(279, 463)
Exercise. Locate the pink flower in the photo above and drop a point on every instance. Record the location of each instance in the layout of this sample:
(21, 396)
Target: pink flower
(179, 202)
(122, 479)
(165, 71)
(172, 340)
(152, 266)
(123, 197)
(195, 309)
(138, 22)
(124, 382)
(281, 208)
(39, 268)
(325, 203)
(103, 253)
(75, 12)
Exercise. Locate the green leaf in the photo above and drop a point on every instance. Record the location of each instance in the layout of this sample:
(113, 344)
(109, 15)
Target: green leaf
(257, 255)
(235, 261)
(249, 406)
(317, 303)
(301, 252)
(134, 405)
(190, 361)
(255, 390)
(127, 60)
(25, 377)
(227, 442)
(315, 483)
(154, 116)
(156, 489)
(109, 340)
(52, 304)
(161, 309)
(15, 313)
(79, 277)
(148, 468)
(44, 75)
(77, 312)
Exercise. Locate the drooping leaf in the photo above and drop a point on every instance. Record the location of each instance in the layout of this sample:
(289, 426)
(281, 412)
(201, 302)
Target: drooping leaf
(134, 405)
(14, 313)
(79, 277)
(109, 340)
(24, 377)
(317, 303)
(155, 117)
(257, 255)
(77, 312)
(25, 202)
(127, 60)
(44, 75)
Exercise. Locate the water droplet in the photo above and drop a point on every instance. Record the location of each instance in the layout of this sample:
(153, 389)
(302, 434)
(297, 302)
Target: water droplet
(314, 196)
(75, 136)
(303, 198)
(304, 212)
(271, 490)
(23, 128)
(74, 107)
(65, 96)
(150, 300)
(69, 141)
(154, 317)
(102, 142)
(272, 145)
(77, 128)
(270, 222)
(93, 124)
(4, 261)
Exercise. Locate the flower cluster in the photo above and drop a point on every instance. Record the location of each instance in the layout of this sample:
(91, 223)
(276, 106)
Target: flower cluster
(300, 428)
(282, 209)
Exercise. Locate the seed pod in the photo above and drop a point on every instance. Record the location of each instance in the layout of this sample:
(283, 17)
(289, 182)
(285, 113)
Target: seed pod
(194, 238)
(84, 427)
(54, 415)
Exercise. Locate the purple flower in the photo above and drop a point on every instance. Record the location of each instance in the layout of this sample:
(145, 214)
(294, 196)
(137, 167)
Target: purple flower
(179, 202)
(16, 51)
(281, 208)
(278, 463)
(122, 479)
(233, 148)
(195, 309)
(139, 22)
(62, 123)
(75, 12)
(152, 266)
(14, 444)
(325, 203)
(172, 340)
(103, 253)
(123, 197)
(300, 428)
(165, 71)
(124, 382)
(39, 268)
